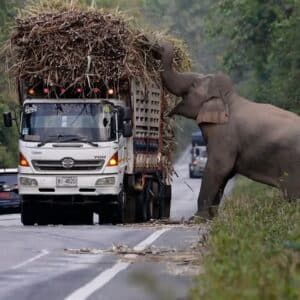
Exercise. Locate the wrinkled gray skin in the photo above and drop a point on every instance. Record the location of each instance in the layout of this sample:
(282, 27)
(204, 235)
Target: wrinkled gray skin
(259, 141)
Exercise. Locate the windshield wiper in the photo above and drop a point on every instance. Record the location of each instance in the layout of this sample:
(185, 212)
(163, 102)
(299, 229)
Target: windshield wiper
(65, 139)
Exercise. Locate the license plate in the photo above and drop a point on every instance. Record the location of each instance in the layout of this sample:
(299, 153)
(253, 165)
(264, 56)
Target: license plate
(66, 181)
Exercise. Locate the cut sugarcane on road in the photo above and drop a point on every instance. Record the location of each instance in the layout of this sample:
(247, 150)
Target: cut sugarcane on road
(104, 262)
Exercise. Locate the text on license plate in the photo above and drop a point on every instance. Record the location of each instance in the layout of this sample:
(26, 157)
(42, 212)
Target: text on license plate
(66, 181)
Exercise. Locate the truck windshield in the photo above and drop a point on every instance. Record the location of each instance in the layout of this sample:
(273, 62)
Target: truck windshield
(55, 122)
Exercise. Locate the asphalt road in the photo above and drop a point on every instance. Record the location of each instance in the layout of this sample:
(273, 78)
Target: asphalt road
(139, 261)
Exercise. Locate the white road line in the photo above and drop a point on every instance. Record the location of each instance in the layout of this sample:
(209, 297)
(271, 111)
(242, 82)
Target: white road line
(9, 217)
(103, 278)
(150, 239)
(30, 260)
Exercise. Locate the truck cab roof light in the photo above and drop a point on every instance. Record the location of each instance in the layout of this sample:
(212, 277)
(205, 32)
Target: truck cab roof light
(46, 91)
(79, 90)
(110, 92)
(113, 161)
(96, 90)
(23, 161)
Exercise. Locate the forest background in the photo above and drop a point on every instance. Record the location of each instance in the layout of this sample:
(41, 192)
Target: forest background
(256, 42)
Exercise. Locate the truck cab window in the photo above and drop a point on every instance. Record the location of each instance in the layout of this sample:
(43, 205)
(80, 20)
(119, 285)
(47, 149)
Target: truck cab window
(93, 121)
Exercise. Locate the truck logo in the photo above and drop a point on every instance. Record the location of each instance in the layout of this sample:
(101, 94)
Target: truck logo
(68, 163)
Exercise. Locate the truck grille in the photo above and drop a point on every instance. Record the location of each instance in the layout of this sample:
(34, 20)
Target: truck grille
(78, 165)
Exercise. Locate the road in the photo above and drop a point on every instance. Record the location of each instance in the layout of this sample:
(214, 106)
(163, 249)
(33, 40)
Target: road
(139, 261)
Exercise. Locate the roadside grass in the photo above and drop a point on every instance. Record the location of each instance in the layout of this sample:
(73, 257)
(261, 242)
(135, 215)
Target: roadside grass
(254, 247)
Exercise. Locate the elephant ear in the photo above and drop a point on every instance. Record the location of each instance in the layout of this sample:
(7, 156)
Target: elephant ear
(214, 109)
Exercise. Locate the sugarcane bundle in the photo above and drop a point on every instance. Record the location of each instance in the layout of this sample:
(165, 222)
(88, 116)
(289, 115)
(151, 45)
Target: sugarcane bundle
(67, 46)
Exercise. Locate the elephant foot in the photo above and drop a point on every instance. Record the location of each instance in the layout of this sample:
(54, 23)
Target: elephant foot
(200, 217)
(213, 211)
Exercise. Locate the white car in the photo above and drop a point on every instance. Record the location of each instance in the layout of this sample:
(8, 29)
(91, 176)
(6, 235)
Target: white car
(198, 161)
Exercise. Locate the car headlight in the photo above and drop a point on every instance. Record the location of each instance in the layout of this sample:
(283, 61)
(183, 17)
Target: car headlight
(28, 181)
(106, 181)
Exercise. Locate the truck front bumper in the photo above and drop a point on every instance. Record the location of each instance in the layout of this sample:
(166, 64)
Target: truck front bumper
(86, 185)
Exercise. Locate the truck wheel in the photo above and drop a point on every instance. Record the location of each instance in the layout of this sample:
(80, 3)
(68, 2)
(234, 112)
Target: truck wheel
(147, 202)
(165, 200)
(155, 199)
(120, 209)
(104, 215)
(141, 207)
(83, 216)
(129, 215)
(88, 218)
(43, 215)
(28, 214)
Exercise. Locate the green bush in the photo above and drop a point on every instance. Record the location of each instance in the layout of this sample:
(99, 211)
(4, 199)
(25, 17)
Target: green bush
(254, 247)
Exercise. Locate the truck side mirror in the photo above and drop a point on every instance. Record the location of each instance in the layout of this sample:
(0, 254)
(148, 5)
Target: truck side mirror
(127, 114)
(127, 129)
(7, 118)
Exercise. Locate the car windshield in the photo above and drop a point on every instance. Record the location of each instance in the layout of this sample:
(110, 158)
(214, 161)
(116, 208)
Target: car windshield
(9, 179)
(199, 152)
(66, 122)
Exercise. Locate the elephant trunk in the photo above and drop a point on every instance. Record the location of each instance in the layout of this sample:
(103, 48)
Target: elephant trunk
(176, 83)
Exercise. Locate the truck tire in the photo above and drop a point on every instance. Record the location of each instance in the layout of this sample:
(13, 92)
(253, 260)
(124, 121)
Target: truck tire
(141, 207)
(83, 216)
(165, 200)
(112, 212)
(129, 215)
(105, 215)
(148, 202)
(43, 214)
(155, 200)
(119, 215)
(28, 213)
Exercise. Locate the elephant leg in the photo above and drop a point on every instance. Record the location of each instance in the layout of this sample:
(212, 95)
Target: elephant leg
(214, 181)
(213, 209)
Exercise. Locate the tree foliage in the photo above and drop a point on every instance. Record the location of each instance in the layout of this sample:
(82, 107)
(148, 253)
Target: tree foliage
(261, 47)
(257, 42)
(185, 18)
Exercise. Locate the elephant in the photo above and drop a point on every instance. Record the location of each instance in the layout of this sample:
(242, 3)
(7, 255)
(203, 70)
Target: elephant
(259, 141)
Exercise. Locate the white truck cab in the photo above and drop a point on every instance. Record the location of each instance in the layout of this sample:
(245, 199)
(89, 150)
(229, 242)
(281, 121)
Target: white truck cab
(70, 147)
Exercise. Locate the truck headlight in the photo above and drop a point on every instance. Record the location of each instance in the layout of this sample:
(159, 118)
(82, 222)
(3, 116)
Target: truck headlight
(106, 181)
(28, 181)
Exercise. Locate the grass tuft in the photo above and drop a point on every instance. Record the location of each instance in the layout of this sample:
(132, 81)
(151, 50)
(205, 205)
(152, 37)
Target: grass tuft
(254, 247)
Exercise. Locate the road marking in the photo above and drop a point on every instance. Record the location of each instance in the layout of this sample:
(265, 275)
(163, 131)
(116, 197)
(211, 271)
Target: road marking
(9, 217)
(30, 260)
(103, 278)
(150, 239)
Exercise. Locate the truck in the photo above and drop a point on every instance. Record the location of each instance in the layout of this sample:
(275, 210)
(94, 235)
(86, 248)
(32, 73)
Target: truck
(80, 155)
(198, 155)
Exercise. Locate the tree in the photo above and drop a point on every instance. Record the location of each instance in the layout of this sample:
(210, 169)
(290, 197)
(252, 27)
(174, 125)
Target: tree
(185, 19)
(262, 46)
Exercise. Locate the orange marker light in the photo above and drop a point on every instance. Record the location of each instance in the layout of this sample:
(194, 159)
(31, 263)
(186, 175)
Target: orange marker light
(113, 160)
(23, 161)
(110, 92)
(31, 92)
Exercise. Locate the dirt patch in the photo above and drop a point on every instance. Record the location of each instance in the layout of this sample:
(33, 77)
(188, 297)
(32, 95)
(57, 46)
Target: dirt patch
(186, 260)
